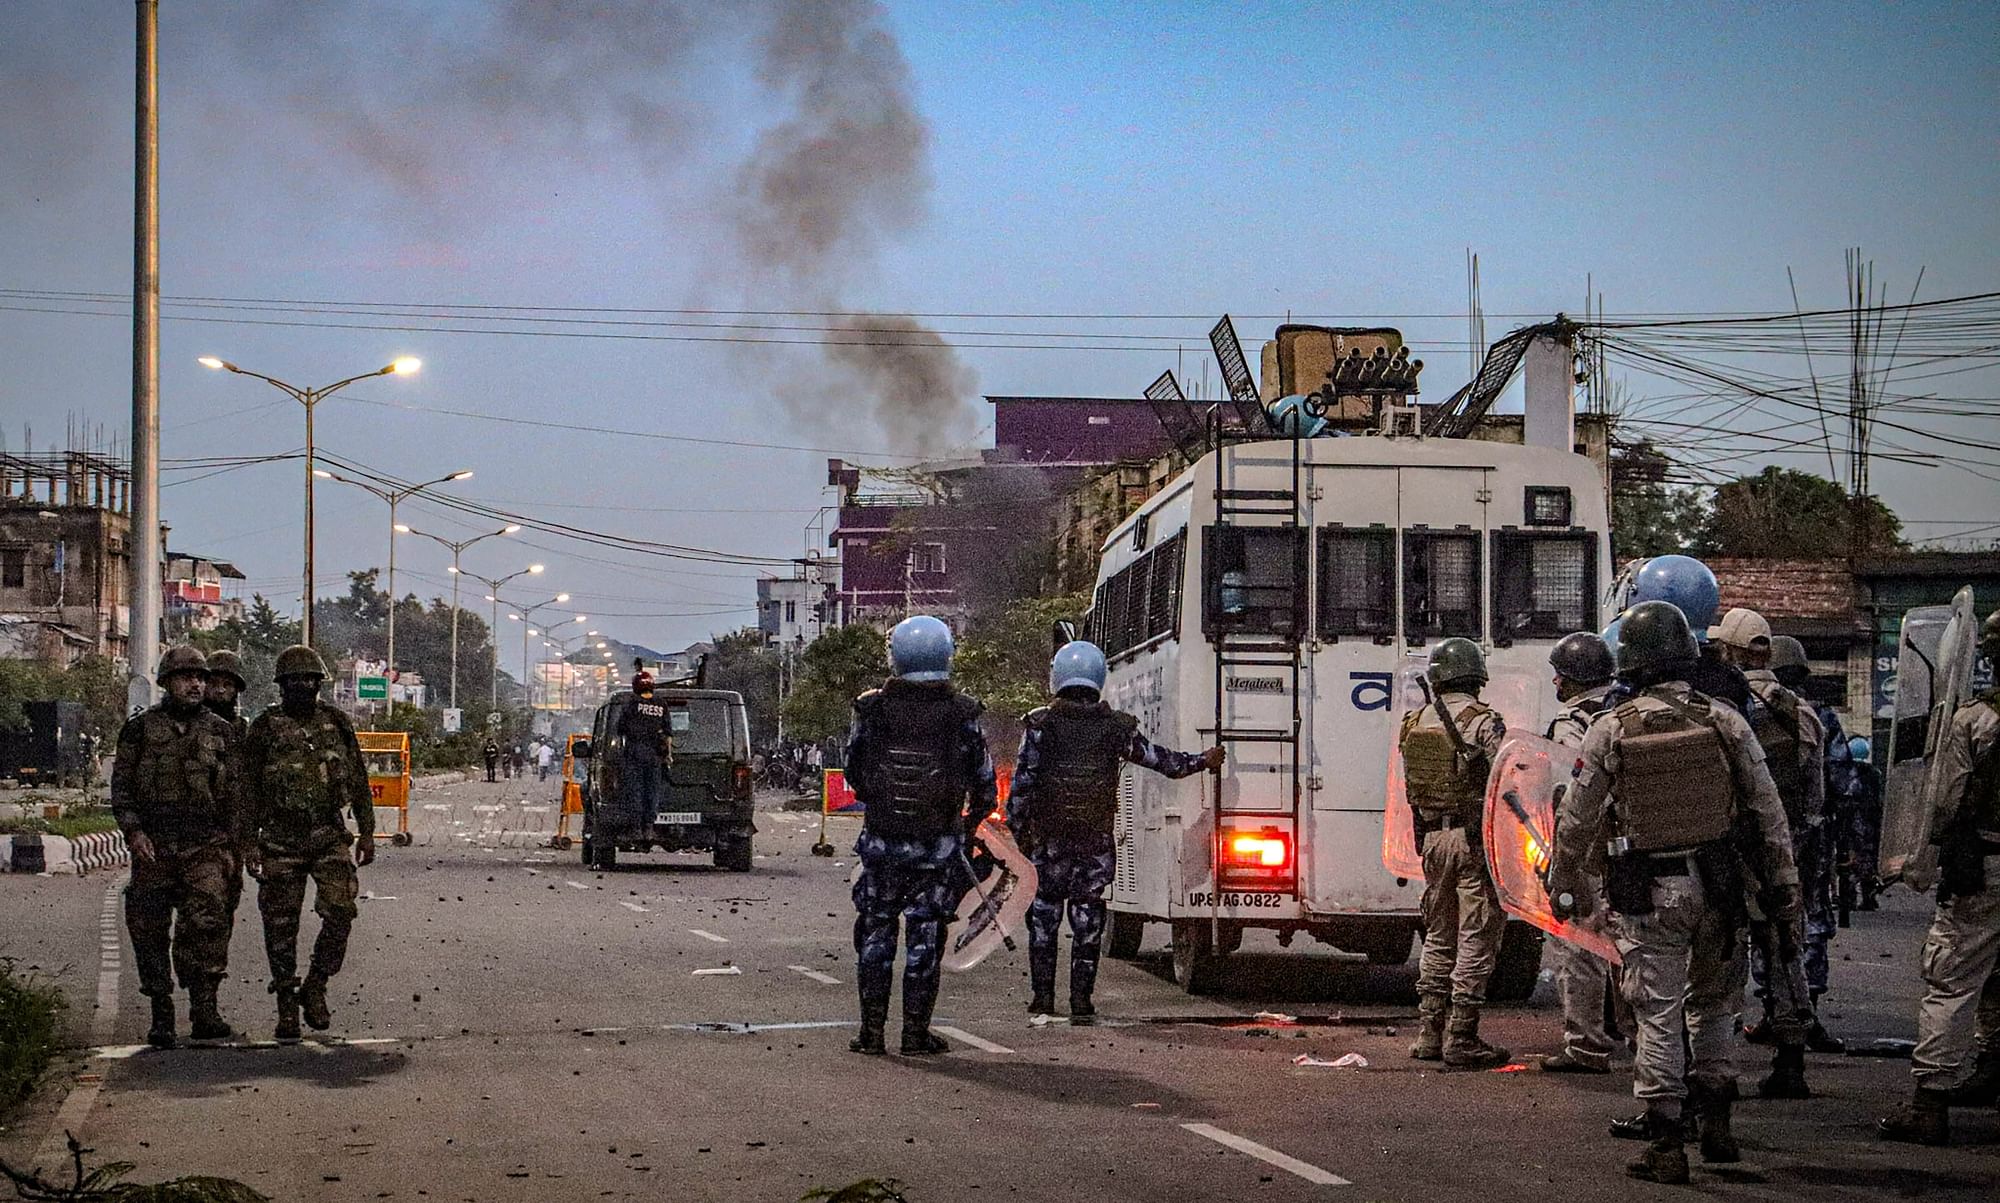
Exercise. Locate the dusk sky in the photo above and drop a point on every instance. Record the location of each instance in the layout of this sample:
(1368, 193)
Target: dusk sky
(1126, 172)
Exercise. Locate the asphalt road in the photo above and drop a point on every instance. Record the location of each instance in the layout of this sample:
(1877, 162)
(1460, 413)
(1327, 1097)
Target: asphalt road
(514, 1027)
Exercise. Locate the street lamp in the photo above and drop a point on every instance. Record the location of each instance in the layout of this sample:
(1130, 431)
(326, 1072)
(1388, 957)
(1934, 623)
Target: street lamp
(458, 547)
(494, 583)
(528, 613)
(394, 497)
(310, 397)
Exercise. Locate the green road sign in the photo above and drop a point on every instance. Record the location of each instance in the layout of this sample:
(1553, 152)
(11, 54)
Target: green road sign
(372, 689)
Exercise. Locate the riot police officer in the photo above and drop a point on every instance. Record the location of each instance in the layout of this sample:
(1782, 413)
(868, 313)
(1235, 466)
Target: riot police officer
(1790, 735)
(1962, 952)
(1669, 770)
(302, 767)
(914, 756)
(1690, 587)
(175, 794)
(1447, 750)
(1061, 807)
(1866, 835)
(1584, 677)
(1831, 885)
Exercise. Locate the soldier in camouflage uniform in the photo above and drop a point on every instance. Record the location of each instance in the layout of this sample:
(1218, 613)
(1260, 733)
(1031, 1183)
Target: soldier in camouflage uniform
(914, 756)
(174, 791)
(1064, 799)
(1584, 679)
(225, 685)
(1833, 846)
(302, 767)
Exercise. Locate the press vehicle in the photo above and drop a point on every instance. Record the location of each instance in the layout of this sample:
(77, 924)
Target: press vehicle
(706, 805)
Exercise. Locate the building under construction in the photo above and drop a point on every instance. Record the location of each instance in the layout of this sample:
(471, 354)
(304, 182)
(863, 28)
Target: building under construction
(65, 534)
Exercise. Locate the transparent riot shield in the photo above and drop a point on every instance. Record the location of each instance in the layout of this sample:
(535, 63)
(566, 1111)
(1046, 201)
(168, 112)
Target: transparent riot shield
(1521, 801)
(1002, 884)
(1934, 662)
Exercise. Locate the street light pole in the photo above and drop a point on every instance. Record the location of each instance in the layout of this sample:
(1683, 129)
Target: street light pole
(394, 496)
(458, 547)
(143, 586)
(310, 398)
(493, 641)
(526, 618)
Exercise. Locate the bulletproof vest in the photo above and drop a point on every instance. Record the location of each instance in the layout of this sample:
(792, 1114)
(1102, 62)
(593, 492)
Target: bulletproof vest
(917, 785)
(1445, 777)
(1675, 788)
(1776, 726)
(308, 774)
(180, 787)
(1984, 795)
(1081, 748)
(644, 725)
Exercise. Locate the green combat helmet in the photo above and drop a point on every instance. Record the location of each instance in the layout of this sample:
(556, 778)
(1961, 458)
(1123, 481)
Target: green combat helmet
(299, 660)
(181, 659)
(226, 663)
(1989, 637)
(1655, 644)
(1788, 662)
(1457, 662)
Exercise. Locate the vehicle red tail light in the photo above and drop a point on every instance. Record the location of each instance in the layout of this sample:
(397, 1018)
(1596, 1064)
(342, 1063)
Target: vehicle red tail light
(743, 779)
(1257, 858)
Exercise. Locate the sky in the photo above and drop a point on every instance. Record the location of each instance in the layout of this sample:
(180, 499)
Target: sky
(1122, 172)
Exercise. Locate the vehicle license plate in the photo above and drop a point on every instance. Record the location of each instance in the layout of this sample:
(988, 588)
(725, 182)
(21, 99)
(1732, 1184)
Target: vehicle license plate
(680, 818)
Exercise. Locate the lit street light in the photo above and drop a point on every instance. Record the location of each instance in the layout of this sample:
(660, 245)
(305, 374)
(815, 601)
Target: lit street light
(524, 617)
(458, 547)
(311, 397)
(494, 584)
(393, 497)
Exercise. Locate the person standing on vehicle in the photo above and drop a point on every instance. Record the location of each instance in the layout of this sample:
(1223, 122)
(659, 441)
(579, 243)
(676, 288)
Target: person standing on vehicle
(1961, 955)
(914, 756)
(302, 767)
(1584, 677)
(1448, 749)
(648, 749)
(1668, 774)
(1780, 943)
(1061, 807)
(175, 794)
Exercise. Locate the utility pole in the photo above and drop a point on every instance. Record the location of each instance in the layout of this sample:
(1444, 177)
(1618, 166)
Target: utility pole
(143, 587)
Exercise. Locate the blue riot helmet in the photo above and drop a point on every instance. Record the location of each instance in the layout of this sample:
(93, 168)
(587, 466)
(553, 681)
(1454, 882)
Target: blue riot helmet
(1290, 417)
(1859, 748)
(1685, 583)
(1078, 662)
(920, 649)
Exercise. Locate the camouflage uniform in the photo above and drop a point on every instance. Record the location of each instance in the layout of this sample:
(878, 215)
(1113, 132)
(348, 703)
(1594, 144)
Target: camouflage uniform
(1961, 955)
(1075, 861)
(911, 873)
(299, 775)
(239, 728)
(175, 780)
(1463, 921)
(1798, 940)
(1582, 977)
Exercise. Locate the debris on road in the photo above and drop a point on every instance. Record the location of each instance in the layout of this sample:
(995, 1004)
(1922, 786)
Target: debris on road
(1345, 1061)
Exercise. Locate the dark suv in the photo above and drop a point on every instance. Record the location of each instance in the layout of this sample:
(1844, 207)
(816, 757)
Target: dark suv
(706, 804)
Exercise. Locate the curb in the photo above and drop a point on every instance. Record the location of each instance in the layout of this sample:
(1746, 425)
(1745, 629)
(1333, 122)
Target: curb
(100, 850)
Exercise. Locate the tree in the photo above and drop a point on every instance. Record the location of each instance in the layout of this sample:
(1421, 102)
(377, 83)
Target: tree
(1655, 520)
(258, 637)
(741, 662)
(1784, 514)
(1005, 663)
(833, 670)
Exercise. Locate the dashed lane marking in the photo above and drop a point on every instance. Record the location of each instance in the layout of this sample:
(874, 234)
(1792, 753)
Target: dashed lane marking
(708, 935)
(823, 979)
(633, 906)
(965, 1037)
(1269, 1156)
(575, 885)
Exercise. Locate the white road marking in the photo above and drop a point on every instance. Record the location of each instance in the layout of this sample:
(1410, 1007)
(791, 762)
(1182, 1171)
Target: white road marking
(708, 935)
(822, 978)
(121, 1052)
(575, 885)
(76, 1108)
(437, 806)
(965, 1037)
(725, 971)
(374, 1040)
(371, 896)
(489, 808)
(1291, 1165)
(534, 872)
(633, 906)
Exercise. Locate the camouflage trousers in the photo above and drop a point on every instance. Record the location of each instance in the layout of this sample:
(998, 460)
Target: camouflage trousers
(1683, 972)
(1812, 850)
(1961, 970)
(1072, 873)
(916, 882)
(1462, 920)
(281, 897)
(178, 908)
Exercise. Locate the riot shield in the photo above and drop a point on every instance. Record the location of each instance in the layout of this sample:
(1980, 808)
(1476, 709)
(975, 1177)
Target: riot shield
(1934, 662)
(996, 900)
(1521, 802)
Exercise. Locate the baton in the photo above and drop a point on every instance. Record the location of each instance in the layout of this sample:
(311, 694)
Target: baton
(985, 905)
(1513, 801)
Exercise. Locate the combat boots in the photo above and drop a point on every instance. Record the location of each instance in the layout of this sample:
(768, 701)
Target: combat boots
(1982, 1089)
(1664, 1160)
(312, 998)
(869, 1039)
(1429, 1045)
(205, 1021)
(1043, 1003)
(1463, 1049)
(1082, 1011)
(1924, 1120)
(1819, 1040)
(1787, 1079)
(161, 1034)
(1712, 1104)
(288, 1011)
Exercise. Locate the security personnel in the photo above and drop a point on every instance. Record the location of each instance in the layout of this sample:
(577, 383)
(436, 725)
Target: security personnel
(914, 756)
(1061, 807)
(1790, 735)
(302, 767)
(225, 686)
(175, 794)
(1827, 899)
(1866, 835)
(1959, 956)
(1689, 586)
(648, 749)
(1670, 770)
(491, 753)
(1448, 749)
(1584, 677)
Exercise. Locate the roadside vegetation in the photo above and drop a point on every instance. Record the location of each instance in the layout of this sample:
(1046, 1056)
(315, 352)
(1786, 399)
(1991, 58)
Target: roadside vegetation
(75, 821)
(30, 1031)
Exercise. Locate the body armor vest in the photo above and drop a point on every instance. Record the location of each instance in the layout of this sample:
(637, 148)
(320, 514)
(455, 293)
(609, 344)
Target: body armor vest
(307, 774)
(1675, 787)
(1984, 795)
(917, 785)
(180, 788)
(1082, 747)
(1777, 731)
(1446, 778)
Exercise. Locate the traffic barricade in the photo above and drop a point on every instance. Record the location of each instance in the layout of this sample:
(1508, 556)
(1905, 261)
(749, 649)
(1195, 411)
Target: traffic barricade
(387, 755)
(572, 790)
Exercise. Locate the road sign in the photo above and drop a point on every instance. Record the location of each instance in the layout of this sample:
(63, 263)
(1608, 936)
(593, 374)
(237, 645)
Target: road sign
(452, 718)
(493, 718)
(371, 689)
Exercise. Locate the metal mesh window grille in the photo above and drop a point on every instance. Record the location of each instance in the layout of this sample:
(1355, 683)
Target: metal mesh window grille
(1357, 579)
(1543, 585)
(1441, 583)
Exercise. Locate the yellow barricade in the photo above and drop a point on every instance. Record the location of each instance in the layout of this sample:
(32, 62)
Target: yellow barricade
(387, 755)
